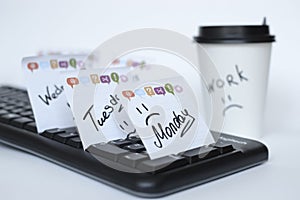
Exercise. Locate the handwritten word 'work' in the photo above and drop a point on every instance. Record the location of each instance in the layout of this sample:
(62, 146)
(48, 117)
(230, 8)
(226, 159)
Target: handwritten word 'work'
(230, 80)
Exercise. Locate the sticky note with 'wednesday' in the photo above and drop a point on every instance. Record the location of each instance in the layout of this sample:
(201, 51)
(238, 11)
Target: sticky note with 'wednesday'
(46, 91)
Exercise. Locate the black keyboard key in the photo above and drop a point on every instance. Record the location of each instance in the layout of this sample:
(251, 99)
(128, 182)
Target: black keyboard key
(27, 108)
(135, 139)
(8, 117)
(133, 159)
(107, 151)
(3, 112)
(13, 101)
(162, 164)
(9, 102)
(201, 153)
(25, 101)
(135, 147)
(5, 94)
(2, 105)
(63, 137)
(26, 113)
(5, 99)
(50, 133)
(120, 142)
(223, 148)
(20, 122)
(17, 110)
(70, 129)
(75, 142)
(20, 96)
(4, 91)
(10, 107)
(31, 116)
(31, 127)
(20, 104)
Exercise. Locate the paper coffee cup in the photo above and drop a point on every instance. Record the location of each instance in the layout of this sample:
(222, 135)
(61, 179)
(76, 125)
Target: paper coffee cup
(241, 55)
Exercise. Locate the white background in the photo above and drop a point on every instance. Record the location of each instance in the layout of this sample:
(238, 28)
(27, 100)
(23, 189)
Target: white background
(30, 26)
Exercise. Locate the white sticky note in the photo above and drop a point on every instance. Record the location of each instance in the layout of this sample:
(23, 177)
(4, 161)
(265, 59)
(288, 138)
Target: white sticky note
(163, 110)
(46, 90)
(69, 79)
(91, 90)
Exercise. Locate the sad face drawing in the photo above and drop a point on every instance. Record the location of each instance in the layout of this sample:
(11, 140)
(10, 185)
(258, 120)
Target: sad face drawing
(230, 105)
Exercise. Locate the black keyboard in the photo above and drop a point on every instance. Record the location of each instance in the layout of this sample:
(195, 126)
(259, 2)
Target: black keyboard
(132, 170)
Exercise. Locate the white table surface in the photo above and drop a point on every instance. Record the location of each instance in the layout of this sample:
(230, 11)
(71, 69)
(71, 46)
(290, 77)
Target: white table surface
(24, 176)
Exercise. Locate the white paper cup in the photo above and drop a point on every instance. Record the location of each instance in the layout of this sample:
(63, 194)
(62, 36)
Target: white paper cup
(242, 56)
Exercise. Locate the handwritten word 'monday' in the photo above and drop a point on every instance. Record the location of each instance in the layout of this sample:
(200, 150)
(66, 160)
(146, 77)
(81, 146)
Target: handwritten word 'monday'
(184, 121)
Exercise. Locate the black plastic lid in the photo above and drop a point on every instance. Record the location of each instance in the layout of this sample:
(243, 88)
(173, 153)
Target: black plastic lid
(235, 34)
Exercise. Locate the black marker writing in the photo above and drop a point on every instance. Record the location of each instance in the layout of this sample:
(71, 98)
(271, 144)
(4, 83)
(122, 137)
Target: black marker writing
(185, 120)
(105, 114)
(229, 80)
(107, 111)
(54, 95)
(240, 73)
(188, 124)
(88, 113)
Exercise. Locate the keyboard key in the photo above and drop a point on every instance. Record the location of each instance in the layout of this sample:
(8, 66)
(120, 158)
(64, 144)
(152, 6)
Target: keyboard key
(120, 142)
(31, 127)
(4, 91)
(20, 122)
(5, 94)
(8, 117)
(135, 139)
(133, 159)
(63, 137)
(50, 133)
(3, 112)
(223, 148)
(135, 147)
(162, 164)
(13, 101)
(70, 129)
(17, 111)
(75, 142)
(27, 108)
(20, 104)
(2, 105)
(20, 96)
(10, 107)
(26, 113)
(201, 153)
(26, 101)
(108, 151)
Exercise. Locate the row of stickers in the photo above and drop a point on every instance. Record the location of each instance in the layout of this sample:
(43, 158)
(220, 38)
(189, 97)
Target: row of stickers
(115, 103)
(74, 62)
(148, 90)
